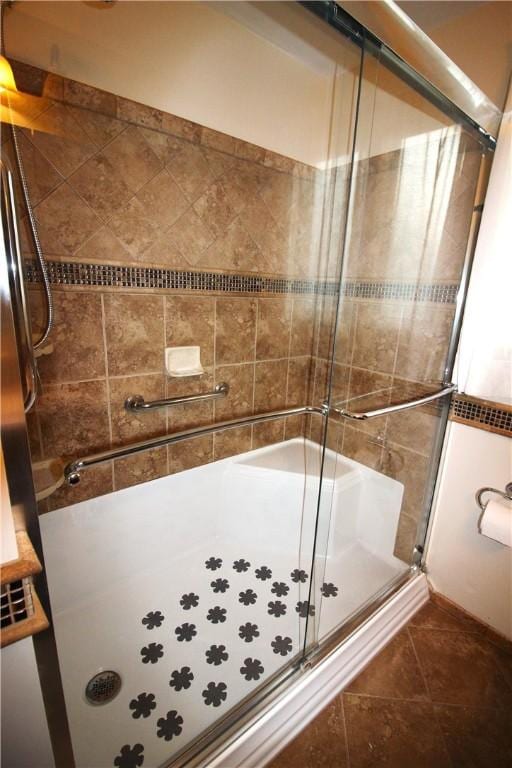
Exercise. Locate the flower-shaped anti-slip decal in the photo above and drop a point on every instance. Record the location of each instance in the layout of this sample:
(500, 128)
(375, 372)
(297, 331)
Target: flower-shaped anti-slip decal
(263, 573)
(276, 608)
(143, 705)
(188, 601)
(252, 669)
(153, 619)
(299, 575)
(282, 645)
(220, 585)
(169, 726)
(186, 632)
(130, 757)
(216, 615)
(329, 590)
(216, 654)
(248, 597)
(303, 608)
(241, 565)
(215, 694)
(248, 632)
(181, 679)
(213, 563)
(280, 589)
(151, 653)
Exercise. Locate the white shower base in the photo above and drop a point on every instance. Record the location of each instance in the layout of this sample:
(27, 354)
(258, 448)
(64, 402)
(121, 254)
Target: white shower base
(113, 560)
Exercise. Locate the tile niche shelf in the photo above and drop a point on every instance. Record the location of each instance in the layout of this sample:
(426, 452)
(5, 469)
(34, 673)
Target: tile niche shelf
(22, 613)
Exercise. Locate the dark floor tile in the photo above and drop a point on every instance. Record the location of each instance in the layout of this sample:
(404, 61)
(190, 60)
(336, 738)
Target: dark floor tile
(394, 673)
(477, 738)
(320, 745)
(496, 639)
(432, 616)
(395, 734)
(463, 668)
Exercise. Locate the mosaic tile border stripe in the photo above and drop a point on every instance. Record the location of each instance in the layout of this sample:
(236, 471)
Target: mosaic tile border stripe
(74, 273)
(445, 293)
(481, 414)
(71, 273)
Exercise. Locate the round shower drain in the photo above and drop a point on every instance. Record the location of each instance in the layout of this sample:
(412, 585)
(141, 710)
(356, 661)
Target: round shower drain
(103, 687)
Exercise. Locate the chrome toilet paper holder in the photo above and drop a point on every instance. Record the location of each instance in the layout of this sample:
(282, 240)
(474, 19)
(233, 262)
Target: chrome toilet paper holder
(506, 494)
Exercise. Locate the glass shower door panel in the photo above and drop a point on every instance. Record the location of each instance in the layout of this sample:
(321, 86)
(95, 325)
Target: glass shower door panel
(412, 195)
(179, 578)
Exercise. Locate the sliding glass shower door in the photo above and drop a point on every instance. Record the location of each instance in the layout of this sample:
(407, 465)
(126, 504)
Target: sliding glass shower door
(393, 335)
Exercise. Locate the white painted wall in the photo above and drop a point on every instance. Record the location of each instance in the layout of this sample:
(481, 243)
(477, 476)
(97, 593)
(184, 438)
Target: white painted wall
(25, 738)
(186, 58)
(463, 565)
(268, 73)
(485, 354)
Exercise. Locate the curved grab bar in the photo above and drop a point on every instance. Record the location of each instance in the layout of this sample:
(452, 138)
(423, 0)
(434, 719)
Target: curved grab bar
(363, 415)
(137, 402)
(72, 471)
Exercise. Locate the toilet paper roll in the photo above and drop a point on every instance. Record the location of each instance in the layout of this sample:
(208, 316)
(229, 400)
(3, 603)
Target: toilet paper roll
(496, 521)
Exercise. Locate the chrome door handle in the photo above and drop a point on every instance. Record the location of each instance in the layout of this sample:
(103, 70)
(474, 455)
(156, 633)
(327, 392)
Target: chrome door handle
(363, 415)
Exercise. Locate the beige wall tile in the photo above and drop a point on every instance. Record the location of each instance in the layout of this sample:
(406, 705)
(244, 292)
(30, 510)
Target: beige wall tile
(65, 222)
(295, 426)
(190, 321)
(61, 139)
(134, 326)
(95, 481)
(101, 185)
(127, 426)
(133, 157)
(412, 470)
(42, 177)
(191, 237)
(239, 401)
(82, 95)
(235, 332)
(231, 442)
(270, 385)
(190, 415)
(215, 209)
(77, 339)
(273, 332)
(423, 343)
(191, 453)
(74, 419)
(267, 433)
(298, 383)
(140, 468)
(163, 200)
(100, 128)
(303, 325)
(376, 336)
(362, 447)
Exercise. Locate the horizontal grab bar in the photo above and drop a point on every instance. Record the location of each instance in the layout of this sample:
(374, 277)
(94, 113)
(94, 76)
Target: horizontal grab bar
(137, 402)
(72, 470)
(363, 415)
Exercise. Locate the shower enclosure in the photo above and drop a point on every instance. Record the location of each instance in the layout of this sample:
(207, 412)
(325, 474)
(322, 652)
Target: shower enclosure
(215, 534)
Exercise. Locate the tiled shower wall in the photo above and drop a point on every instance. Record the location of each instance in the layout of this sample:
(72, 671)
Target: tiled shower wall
(125, 185)
(114, 182)
(412, 212)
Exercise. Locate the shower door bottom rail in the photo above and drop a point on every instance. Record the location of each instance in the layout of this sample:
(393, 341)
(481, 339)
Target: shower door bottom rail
(73, 469)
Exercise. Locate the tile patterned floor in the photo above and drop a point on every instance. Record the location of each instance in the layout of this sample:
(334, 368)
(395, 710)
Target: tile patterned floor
(438, 696)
